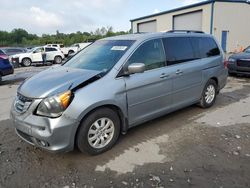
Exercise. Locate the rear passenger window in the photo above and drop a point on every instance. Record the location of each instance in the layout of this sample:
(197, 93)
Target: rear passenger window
(150, 53)
(204, 47)
(178, 50)
(50, 49)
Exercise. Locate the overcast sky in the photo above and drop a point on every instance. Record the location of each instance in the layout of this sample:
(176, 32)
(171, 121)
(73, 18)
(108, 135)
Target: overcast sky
(47, 16)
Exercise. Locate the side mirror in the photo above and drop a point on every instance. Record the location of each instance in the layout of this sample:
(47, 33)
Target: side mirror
(136, 68)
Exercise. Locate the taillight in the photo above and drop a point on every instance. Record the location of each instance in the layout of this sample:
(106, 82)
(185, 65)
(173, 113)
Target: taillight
(225, 64)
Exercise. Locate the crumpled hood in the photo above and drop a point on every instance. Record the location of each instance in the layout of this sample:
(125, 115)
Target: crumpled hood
(242, 55)
(54, 80)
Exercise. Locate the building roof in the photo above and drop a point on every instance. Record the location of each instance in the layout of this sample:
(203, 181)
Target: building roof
(190, 6)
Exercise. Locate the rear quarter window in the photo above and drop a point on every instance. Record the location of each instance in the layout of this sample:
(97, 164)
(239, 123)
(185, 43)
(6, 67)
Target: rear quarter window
(204, 47)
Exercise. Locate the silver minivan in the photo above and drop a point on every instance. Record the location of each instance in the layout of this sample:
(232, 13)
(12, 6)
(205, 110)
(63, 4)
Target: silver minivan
(115, 84)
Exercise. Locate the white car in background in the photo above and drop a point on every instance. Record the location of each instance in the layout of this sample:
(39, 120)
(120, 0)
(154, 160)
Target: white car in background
(53, 55)
(80, 46)
(70, 50)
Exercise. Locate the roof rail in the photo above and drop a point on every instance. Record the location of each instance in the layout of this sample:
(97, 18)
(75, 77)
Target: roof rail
(185, 31)
(141, 32)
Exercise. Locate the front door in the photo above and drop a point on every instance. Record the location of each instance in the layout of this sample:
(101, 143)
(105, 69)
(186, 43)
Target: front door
(37, 55)
(148, 93)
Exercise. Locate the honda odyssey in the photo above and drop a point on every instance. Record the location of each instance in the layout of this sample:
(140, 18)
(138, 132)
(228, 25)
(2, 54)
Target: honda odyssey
(114, 84)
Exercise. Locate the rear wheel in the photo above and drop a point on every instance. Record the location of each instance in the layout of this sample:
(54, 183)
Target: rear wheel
(71, 52)
(209, 94)
(26, 62)
(58, 60)
(98, 132)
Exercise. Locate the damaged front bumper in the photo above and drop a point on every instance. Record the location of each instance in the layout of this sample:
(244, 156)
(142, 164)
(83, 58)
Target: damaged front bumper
(52, 134)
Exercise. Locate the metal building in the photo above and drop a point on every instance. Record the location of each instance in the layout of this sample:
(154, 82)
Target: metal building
(227, 20)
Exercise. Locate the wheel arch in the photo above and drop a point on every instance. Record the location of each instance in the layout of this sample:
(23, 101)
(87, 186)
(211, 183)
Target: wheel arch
(115, 108)
(216, 81)
(22, 58)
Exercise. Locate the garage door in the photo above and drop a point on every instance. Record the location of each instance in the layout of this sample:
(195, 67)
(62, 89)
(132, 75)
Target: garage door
(189, 21)
(147, 26)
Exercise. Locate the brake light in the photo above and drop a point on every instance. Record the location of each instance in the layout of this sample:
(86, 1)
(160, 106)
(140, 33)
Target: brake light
(225, 64)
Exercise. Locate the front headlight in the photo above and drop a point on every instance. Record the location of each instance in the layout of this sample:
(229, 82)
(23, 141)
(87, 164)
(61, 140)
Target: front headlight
(232, 60)
(54, 106)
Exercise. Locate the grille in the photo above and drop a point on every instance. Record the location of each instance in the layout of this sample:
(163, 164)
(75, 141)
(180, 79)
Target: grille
(243, 63)
(22, 103)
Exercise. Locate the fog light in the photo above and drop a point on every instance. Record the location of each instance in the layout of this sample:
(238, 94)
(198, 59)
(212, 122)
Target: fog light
(42, 143)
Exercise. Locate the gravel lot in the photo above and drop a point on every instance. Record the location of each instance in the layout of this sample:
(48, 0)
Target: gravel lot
(189, 148)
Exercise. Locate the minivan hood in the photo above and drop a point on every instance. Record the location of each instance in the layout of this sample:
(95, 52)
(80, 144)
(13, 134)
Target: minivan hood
(54, 80)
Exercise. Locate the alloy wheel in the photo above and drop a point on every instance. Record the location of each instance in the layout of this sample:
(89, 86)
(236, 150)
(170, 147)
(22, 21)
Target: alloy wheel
(101, 133)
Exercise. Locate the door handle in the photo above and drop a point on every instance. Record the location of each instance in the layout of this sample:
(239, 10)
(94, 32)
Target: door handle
(178, 72)
(164, 75)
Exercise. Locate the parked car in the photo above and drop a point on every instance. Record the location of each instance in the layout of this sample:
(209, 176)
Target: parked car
(67, 51)
(5, 67)
(77, 47)
(240, 63)
(35, 56)
(61, 47)
(12, 51)
(115, 84)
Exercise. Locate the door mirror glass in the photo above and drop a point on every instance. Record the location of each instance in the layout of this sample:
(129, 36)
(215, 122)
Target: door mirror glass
(136, 68)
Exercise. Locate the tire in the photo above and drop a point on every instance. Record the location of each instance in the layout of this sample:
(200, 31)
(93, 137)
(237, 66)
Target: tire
(70, 52)
(58, 60)
(232, 74)
(209, 94)
(88, 135)
(26, 62)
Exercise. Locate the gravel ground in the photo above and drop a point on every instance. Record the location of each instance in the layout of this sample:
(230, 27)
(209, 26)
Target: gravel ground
(192, 147)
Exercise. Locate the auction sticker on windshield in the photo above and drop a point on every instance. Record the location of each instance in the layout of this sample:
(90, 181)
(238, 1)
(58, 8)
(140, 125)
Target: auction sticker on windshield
(119, 48)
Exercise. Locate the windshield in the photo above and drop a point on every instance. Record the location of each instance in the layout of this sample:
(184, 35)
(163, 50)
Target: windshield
(1, 52)
(101, 55)
(247, 49)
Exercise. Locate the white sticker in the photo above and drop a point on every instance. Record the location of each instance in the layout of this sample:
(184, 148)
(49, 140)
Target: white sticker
(119, 48)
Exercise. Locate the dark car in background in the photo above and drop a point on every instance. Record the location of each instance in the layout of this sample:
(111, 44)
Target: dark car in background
(5, 67)
(240, 63)
(13, 50)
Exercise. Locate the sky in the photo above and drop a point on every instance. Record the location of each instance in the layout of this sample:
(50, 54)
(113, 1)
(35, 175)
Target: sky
(67, 16)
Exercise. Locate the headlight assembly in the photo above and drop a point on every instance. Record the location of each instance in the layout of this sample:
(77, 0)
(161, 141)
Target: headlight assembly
(54, 106)
(231, 60)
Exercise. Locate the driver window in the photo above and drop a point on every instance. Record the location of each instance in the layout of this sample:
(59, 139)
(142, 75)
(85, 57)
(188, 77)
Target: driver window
(38, 50)
(151, 53)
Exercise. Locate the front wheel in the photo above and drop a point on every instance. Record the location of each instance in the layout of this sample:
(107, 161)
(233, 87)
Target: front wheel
(26, 62)
(98, 132)
(209, 94)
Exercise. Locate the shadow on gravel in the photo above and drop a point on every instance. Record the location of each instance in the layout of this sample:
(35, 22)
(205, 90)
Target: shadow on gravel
(16, 81)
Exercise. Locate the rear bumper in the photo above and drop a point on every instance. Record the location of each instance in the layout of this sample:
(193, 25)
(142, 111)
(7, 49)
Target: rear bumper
(8, 71)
